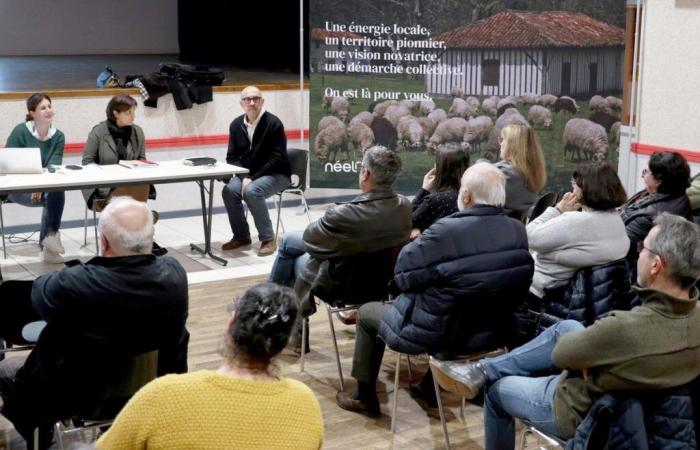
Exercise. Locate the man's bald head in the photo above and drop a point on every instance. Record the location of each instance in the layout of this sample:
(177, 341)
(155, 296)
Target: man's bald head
(127, 226)
(252, 102)
(250, 91)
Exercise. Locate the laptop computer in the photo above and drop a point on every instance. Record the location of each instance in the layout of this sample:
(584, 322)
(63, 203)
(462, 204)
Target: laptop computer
(20, 160)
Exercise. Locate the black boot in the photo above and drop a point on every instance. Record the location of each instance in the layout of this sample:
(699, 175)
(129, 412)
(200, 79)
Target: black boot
(295, 341)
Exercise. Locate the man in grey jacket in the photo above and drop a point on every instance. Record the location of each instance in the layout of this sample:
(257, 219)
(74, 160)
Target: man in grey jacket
(376, 219)
(653, 346)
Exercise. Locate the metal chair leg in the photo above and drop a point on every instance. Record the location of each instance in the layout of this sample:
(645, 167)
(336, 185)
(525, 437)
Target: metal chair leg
(335, 347)
(94, 224)
(410, 370)
(443, 422)
(462, 405)
(279, 214)
(58, 431)
(2, 230)
(304, 338)
(85, 226)
(396, 393)
(306, 206)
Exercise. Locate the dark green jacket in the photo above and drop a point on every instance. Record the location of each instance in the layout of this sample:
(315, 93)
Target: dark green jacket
(653, 346)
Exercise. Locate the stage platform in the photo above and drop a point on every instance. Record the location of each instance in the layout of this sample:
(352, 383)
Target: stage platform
(51, 73)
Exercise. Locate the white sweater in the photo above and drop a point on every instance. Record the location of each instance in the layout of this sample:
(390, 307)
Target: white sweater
(563, 243)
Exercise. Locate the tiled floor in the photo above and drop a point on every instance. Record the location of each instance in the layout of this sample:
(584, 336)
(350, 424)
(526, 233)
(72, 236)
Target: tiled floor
(23, 260)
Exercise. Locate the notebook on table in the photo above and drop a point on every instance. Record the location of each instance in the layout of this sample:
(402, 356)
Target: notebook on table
(20, 161)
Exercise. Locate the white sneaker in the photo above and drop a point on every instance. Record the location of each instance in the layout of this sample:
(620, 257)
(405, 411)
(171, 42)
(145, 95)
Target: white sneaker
(50, 256)
(53, 242)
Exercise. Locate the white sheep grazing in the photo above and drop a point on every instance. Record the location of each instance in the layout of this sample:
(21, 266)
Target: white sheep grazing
(547, 100)
(361, 136)
(478, 130)
(340, 107)
(505, 101)
(473, 102)
(582, 135)
(394, 113)
(493, 146)
(614, 103)
(540, 116)
(599, 104)
(437, 116)
(329, 141)
(426, 107)
(365, 117)
(328, 121)
(614, 135)
(490, 106)
(449, 130)
(411, 105)
(457, 92)
(513, 99)
(572, 100)
(460, 108)
(428, 126)
(528, 99)
(326, 101)
(495, 99)
(410, 133)
(380, 108)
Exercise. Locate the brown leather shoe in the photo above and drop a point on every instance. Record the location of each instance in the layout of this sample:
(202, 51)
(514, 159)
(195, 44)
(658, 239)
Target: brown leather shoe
(236, 243)
(345, 401)
(267, 248)
(348, 317)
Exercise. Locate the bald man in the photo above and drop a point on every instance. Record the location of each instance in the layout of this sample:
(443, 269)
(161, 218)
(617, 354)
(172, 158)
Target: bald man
(99, 314)
(257, 142)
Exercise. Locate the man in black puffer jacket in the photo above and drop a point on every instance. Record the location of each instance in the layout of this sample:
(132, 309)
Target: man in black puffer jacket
(466, 270)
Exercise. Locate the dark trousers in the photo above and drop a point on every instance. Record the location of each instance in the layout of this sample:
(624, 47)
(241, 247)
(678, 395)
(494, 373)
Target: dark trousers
(369, 350)
(17, 311)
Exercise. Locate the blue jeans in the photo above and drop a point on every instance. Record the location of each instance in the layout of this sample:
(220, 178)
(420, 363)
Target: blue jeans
(520, 390)
(254, 196)
(290, 260)
(52, 202)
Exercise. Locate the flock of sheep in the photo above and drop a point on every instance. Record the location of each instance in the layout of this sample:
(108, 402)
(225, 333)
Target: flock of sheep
(416, 125)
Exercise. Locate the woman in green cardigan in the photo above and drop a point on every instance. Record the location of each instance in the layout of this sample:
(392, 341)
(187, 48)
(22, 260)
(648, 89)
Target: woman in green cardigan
(38, 131)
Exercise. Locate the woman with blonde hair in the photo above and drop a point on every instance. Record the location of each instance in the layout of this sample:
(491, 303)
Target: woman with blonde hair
(522, 162)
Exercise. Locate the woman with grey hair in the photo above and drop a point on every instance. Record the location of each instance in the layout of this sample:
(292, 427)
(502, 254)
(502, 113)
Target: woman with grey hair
(243, 404)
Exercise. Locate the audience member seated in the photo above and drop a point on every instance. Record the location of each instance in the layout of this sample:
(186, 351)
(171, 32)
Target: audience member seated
(124, 303)
(455, 262)
(257, 142)
(582, 230)
(437, 197)
(693, 194)
(243, 404)
(38, 131)
(665, 182)
(376, 219)
(653, 346)
(522, 162)
(111, 141)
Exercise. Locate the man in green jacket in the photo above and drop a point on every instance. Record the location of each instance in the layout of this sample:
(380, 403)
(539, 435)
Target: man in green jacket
(653, 346)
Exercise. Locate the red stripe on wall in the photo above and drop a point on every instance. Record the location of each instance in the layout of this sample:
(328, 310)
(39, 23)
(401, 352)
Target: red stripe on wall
(648, 149)
(182, 141)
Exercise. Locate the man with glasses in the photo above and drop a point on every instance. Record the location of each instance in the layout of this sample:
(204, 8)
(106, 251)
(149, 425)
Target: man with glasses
(257, 141)
(653, 346)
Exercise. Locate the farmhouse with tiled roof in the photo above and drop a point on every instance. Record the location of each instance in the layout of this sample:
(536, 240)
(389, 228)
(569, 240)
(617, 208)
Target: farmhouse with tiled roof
(518, 52)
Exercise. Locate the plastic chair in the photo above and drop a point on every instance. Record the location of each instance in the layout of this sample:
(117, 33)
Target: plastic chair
(298, 162)
(140, 370)
(545, 201)
(530, 429)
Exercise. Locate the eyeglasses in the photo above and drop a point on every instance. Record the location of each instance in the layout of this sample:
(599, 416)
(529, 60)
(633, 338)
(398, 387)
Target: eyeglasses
(640, 247)
(645, 172)
(251, 99)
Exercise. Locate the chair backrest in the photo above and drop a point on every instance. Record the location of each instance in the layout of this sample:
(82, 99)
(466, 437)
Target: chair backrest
(591, 294)
(134, 374)
(545, 201)
(298, 163)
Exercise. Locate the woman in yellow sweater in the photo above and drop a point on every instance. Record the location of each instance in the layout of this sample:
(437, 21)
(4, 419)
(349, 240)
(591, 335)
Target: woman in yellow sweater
(240, 405)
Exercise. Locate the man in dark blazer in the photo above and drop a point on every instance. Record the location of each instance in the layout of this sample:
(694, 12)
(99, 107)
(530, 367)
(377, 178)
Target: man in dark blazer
(257, 142)
(99, 315)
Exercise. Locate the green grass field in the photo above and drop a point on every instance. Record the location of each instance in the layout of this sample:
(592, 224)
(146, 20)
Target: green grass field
(416, 164)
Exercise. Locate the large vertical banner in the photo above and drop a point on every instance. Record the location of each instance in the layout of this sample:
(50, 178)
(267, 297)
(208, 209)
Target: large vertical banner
(413, 74)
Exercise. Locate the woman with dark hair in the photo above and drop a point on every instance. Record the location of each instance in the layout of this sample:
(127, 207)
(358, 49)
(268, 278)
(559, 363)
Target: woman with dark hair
(665, 183)
(116, 139)
(582, 230)
(38, 131)
(437, 197)
(522, 162)
(243, 404)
